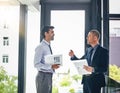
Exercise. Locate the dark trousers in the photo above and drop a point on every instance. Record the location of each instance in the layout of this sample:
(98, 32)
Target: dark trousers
(44, 82)
(90, 87)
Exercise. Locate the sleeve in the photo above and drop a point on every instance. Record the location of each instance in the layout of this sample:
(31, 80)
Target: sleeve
(76, 58)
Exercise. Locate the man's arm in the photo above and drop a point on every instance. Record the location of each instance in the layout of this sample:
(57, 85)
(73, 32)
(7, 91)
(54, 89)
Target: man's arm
(38, 59)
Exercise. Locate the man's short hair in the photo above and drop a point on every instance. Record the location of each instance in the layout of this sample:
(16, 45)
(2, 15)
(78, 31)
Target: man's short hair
(46, 29)
(96, 33)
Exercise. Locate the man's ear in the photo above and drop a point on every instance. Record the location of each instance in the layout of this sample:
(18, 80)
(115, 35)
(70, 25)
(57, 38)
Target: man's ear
(45, 33)
(95, 38)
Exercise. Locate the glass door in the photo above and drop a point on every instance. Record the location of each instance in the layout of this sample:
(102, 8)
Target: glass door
(69, 34)
(114, 55)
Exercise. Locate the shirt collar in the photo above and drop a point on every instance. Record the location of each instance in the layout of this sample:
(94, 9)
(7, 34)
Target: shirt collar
(46, 42)
(95, 47)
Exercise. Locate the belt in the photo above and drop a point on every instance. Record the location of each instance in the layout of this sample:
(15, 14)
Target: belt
(86, 74)
(93, 74)
(45, 72)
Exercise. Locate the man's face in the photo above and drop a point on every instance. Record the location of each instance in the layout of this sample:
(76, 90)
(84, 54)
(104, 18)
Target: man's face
(50, 34)
(90, 38)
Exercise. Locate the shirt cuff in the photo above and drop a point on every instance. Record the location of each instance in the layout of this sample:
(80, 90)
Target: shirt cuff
(93, 70)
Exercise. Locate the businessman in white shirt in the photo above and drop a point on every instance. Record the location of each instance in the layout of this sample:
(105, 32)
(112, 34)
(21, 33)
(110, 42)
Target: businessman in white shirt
(45, 71)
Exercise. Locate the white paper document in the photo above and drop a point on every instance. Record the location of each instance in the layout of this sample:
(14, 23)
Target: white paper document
(79, 64)
(53, 59)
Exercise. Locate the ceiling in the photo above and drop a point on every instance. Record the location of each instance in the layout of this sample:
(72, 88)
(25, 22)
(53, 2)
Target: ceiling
(8, 2)
(34, 4)
(11, 2)
(67, 1)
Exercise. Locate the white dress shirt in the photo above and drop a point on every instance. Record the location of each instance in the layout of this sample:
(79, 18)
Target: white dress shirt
(39, 59)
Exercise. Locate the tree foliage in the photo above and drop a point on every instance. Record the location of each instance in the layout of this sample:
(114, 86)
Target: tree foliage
(8, 84)
(114, 72)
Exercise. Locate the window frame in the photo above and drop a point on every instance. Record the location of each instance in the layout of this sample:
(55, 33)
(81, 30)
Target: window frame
(5, 58)
(5, 41)
(47, 7)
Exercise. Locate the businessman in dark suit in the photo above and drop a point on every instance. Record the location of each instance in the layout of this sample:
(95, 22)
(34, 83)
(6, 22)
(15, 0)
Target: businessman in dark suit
(97, 58)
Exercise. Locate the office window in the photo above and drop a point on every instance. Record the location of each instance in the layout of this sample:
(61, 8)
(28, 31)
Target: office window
(114, 6)
(114, 57)
(9, 35)
(69, 34)
(5, 41)
(5, 59)
(33, 36)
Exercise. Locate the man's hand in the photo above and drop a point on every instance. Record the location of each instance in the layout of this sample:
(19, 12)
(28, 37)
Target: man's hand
(55, 66)
(71, 53)
(88, 68)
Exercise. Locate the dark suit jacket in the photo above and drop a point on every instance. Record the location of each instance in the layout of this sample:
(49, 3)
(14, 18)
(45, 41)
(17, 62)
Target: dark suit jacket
(100, 64)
